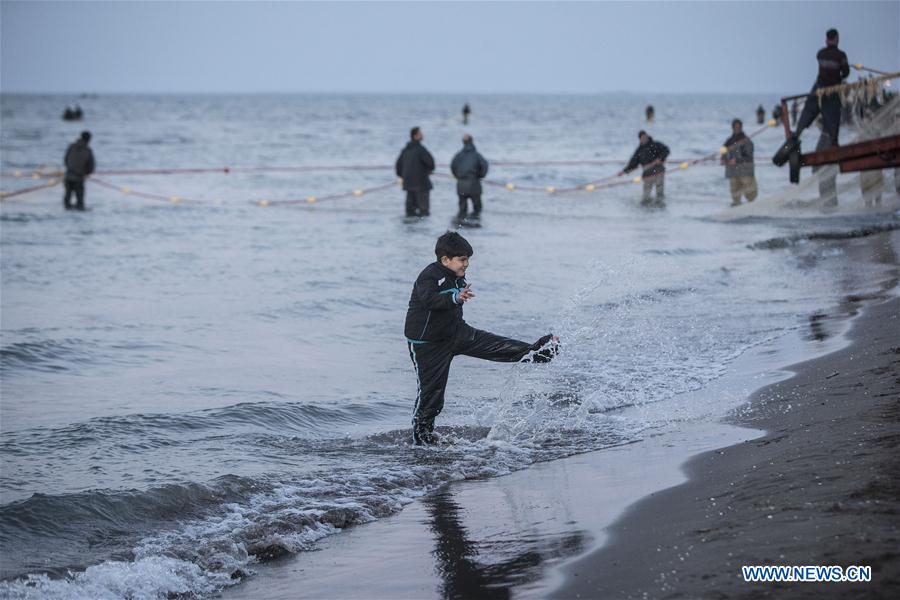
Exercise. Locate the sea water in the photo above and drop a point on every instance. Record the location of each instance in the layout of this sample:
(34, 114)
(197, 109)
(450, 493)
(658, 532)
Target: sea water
(191, 387)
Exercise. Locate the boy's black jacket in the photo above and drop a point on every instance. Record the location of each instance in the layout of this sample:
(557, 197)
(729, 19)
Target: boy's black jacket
(433, 313)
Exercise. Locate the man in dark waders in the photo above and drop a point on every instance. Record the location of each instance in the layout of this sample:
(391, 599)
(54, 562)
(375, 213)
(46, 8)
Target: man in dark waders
(738, 161)
(79, 165)
(833, 69)
(466, 111)
(651, 155)
(414, 165)
(469, 167)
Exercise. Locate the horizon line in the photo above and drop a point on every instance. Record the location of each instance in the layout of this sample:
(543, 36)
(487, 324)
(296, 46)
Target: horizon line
(373, 93)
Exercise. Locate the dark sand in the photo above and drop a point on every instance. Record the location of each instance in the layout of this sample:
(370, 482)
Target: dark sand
(821, 488)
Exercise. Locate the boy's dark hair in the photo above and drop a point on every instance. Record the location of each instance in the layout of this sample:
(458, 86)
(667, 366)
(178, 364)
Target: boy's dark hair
(413, 132)
(737, 122)
(452, 244)
(86, 136)
(831, 34)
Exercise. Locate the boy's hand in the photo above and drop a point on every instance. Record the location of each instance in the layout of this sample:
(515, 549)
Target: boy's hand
(465, 295)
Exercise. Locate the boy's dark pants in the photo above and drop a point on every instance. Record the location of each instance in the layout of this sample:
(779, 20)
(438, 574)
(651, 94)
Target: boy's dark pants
(432, 363)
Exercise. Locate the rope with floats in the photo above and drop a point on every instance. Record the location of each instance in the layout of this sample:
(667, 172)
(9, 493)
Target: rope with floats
(606, 182)
(57, 173)
(860, 67)
(613, 180)
(49, 184)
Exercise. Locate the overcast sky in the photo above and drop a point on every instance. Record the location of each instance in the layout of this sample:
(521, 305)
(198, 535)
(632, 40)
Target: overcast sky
(463, 47)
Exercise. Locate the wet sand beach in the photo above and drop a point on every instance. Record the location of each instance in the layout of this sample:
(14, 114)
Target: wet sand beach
(822, 487)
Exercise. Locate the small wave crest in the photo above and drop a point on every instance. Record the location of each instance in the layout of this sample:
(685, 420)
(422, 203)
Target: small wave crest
(778, 243)
(269, 416)
(45, 355)
(69, 530)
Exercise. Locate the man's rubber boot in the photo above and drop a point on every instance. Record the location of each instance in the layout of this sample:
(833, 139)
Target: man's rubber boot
(794, 166)
(783, 155)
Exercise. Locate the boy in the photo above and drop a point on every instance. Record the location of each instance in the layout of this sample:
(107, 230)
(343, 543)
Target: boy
(436, 332)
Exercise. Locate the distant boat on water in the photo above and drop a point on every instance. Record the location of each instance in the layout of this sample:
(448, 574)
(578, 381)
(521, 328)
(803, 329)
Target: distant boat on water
(73, 113)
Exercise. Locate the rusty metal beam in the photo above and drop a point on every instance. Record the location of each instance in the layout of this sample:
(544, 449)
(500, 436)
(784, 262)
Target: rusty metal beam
(870, 163)
(886, 145)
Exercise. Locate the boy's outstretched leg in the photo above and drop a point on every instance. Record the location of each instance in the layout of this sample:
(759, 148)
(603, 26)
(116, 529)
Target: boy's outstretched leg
(489, 346)
(432, 363)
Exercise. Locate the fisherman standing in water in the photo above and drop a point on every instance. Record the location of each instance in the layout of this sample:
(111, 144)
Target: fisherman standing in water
(738, 161)
(650, 113)
(414, 165)
(760, 114)
(79, 165)
(777, 113)
(651, 155)
(469, 167)
(466, 111)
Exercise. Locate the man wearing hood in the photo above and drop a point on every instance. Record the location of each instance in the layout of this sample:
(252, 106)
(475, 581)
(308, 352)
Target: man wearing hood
(414, 165)
(469, 167)
(651, 155)
(79, 165)
(738, 162)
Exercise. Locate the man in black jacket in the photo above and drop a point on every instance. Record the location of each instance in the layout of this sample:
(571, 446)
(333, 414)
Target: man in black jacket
(436, 332)
(651, 155)
(414, 165)
(79, 165)
(469, 167)
(833, 69)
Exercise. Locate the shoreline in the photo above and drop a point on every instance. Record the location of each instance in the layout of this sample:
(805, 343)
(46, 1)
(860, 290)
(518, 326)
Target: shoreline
(489, 538)
(821, 487)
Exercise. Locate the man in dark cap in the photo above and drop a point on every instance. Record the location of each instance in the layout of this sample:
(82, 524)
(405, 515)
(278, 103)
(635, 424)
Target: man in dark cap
(414, 165)
(79, 165)
(833, 69)
(469, 167)
(651, 155)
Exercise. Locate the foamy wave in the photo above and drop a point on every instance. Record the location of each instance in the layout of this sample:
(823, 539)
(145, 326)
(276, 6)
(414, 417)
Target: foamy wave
(148, 578)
